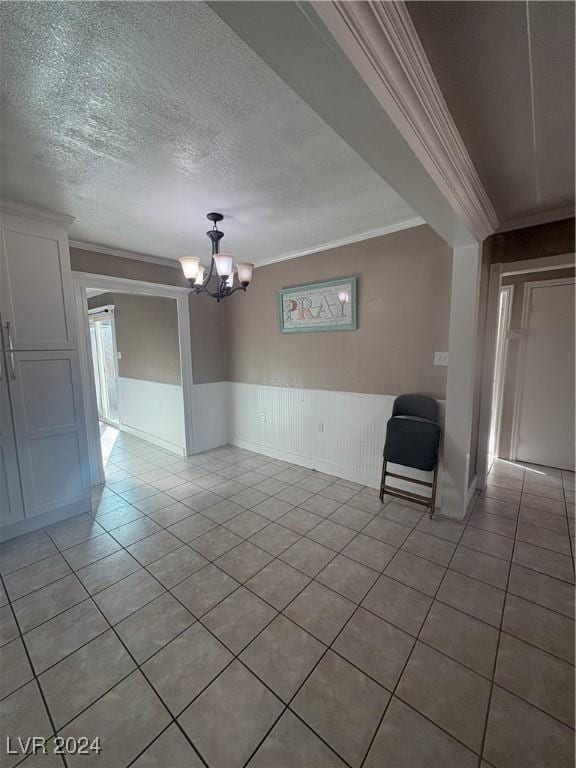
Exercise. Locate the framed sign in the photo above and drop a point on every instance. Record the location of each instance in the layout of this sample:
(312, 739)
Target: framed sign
(329, 306)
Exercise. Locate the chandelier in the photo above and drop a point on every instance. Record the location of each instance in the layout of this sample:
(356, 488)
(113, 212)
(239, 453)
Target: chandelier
(223, 285)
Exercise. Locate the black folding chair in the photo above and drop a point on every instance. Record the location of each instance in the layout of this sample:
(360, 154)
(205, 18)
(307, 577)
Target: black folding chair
(412, 440)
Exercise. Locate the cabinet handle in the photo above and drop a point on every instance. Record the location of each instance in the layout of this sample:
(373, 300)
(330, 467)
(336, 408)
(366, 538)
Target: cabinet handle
(10, 351)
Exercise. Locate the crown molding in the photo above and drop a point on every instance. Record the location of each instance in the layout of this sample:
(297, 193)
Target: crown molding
(381, 42)
(34, 212)
(388, 230)
(536, 219)
(124, 254)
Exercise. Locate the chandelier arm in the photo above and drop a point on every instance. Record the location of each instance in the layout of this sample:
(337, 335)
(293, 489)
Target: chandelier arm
(207, 280)
(238, 288)
(210, 293)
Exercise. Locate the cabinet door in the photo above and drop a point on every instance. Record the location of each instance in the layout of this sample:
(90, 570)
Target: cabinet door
(50, 431)
(11, 509)
(36, 285)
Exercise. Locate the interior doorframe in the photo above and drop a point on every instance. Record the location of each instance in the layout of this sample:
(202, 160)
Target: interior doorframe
(498, 270)
(520, 379)
(501, 366)
(83, 280)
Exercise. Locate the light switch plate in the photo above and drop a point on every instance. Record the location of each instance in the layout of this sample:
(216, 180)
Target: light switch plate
(440, 358)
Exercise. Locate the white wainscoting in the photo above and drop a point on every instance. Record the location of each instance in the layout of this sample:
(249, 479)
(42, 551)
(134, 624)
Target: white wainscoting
(153, 411)
(209, 415)
(340, 433)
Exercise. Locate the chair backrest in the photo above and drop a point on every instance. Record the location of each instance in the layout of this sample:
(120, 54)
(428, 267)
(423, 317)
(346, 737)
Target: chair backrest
(416, 405)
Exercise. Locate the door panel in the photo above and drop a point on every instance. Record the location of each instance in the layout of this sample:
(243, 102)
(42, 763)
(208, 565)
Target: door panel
(11, 509)
(35, 287)
(56, 463)
(546, 413)
(49, 422)
(47, 388)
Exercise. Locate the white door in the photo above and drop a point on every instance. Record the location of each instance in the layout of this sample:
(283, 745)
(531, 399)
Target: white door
(545, 412)
(104, 363)
(35, 286)
(50, 432)
(11, 509)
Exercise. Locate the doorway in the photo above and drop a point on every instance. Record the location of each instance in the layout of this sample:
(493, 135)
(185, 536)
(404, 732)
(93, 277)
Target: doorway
(123, 373)
(527, 409)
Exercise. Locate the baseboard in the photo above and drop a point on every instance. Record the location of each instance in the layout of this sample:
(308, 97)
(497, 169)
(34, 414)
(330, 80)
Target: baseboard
(338, 470)
(30, 524)
(177, 449)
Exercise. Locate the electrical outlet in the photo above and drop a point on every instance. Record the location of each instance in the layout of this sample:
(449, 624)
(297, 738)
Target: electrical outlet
(262, 416)
(119, 355)
(440, 358)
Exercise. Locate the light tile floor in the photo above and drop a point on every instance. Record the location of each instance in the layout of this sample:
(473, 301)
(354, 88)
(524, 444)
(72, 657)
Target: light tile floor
(231, 610)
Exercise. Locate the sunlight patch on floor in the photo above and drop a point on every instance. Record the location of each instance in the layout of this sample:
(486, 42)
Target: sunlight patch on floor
(108, 437)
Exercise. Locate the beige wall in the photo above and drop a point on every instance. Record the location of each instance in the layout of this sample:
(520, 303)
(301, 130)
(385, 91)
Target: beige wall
(206, 317)
(404, 283)
(207, 328)
(146, 336)
(508, 395)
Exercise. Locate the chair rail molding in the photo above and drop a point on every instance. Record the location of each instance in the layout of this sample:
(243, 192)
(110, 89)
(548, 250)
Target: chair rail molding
(382, 44)
(122, 254)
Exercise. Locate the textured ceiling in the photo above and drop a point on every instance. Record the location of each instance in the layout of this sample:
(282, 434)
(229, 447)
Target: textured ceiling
(139, 118)
(506, 70)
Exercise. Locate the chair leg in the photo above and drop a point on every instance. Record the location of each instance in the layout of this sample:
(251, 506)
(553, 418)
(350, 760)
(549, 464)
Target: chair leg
(433, 497)
(383, 480)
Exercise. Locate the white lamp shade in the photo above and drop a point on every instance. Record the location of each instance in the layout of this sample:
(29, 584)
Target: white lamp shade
(245, 272)
(200, 276)
(223, 263)
(190, 266)
(230, 279)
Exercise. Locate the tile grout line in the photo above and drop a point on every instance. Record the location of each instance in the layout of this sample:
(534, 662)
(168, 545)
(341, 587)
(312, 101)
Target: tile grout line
(401, 675)
(277, 557)
(122, 547)
(137, 668)
(497, 654)
(34, 678)
(243, 584)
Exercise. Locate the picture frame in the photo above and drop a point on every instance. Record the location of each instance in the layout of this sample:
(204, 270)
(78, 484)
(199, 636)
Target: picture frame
(318, 307)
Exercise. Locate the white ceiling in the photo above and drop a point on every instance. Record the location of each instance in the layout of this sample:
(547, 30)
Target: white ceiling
(139, 118)
(506, 70)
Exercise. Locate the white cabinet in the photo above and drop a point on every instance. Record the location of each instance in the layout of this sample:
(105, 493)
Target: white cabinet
(50, 429)
(44, 469)
(11, 506)
(35, 285)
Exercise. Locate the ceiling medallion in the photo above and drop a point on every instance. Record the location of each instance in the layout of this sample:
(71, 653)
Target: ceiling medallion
(223, 284)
